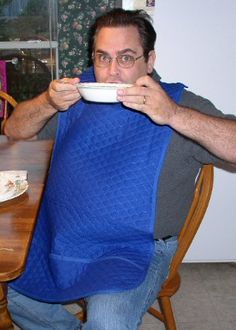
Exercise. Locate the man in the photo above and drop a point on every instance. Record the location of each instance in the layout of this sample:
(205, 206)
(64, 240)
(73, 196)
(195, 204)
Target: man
(120, 183)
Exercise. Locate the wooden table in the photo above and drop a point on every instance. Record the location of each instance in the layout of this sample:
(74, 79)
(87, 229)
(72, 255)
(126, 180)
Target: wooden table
(18, 216)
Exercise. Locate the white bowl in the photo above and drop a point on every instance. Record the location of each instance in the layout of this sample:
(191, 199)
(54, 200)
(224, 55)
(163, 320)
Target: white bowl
(100, 92)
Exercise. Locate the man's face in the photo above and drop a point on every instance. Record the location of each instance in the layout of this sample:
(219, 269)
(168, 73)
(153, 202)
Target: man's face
(114, 41)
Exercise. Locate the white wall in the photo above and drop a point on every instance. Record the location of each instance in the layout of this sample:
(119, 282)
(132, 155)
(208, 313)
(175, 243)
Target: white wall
(196, 44)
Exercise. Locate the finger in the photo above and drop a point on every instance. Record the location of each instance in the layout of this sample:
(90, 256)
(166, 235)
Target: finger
(136, 95)
(65, 84)
(62, 99)
(135, 106)
(67, 80)
(133, 91)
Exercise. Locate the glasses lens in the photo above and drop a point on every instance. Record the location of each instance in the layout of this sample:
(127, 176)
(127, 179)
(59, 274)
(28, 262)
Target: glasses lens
(125, 61)
(102, 59)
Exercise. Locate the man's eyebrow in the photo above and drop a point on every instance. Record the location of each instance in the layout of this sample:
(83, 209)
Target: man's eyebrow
(127, 50)
(101, 51)
(123, 51)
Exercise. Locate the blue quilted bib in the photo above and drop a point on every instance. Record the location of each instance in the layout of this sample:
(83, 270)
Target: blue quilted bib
(95, 228)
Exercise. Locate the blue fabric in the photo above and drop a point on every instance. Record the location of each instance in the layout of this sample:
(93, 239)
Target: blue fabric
(95, 228)
(117, 311)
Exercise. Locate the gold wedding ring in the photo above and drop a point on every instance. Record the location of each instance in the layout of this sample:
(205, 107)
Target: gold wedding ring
(144, 100)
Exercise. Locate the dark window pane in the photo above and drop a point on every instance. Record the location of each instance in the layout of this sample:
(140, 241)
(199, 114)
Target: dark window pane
(27, 20)
(28, 71)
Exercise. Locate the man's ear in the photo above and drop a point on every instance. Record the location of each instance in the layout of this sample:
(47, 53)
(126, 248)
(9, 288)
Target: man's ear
(151, 61)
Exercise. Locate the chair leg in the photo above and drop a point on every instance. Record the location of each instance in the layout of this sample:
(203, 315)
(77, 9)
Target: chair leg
(82, 315)
(5, 318)
(169, 320)
(156, 314)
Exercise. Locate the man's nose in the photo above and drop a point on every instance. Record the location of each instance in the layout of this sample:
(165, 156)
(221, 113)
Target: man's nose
(114, 67)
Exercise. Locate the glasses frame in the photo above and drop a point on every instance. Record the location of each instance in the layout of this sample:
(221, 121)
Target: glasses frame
(117, 60)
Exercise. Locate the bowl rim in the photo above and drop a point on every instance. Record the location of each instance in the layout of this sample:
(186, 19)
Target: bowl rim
(97, 85)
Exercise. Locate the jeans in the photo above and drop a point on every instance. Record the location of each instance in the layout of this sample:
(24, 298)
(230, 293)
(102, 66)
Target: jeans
(110, 311)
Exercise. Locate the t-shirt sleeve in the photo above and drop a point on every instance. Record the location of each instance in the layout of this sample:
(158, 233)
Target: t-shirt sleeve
(202, 104)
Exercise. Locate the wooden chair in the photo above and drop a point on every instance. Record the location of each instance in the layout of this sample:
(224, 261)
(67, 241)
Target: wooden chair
(7, 100)
(194, 218)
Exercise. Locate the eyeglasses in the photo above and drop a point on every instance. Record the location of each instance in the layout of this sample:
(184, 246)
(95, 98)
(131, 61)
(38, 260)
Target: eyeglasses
(124, 61)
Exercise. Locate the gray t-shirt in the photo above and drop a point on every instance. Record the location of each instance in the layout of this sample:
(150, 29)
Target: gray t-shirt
(181, 167)
(183, 160)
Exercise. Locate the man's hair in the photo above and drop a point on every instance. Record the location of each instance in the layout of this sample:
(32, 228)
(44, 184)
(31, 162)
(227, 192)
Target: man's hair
(121, 18)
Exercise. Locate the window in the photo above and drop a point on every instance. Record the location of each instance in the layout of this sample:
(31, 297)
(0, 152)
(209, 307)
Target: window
(28, 45)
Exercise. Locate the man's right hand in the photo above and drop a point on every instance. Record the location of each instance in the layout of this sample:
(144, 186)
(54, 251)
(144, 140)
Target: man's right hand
(30, 116)
(62, 93)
